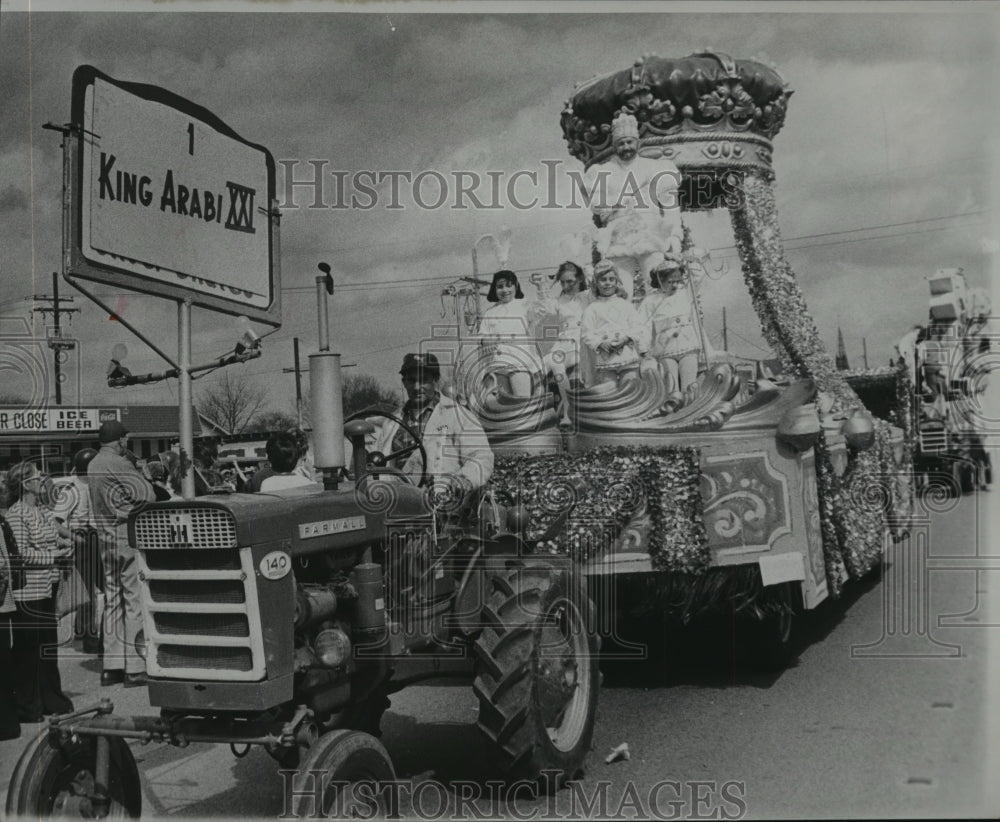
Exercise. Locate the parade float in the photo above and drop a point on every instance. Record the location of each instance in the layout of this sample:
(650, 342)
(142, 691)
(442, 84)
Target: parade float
(946, 363)
(751, 497)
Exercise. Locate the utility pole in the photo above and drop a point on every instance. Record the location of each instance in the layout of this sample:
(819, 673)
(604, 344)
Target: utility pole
(725, 331)
(864, 349)
(298, 381)
(841, 359)
(58, 345)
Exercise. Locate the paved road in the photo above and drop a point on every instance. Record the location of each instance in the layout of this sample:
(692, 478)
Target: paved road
(903, 731)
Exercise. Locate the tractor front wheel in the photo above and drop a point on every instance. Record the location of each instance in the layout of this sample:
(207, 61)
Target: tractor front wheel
(537, 679)
(58, 777)
(347, 774)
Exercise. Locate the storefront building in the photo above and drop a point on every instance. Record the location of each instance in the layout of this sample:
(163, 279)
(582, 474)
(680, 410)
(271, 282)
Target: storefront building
(51, 436)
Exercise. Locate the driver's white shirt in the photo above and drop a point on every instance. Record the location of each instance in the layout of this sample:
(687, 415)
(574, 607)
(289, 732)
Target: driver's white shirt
(454, 441)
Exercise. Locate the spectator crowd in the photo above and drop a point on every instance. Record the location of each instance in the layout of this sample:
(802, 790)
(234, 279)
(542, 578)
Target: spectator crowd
(64, 550)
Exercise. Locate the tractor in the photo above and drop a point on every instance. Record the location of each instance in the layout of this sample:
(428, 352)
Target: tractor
(287, 620)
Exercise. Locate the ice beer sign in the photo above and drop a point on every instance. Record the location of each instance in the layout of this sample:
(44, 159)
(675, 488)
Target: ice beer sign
(54, 420)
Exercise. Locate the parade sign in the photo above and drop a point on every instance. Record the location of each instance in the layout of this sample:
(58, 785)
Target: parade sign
(54, 420)
(170, 201)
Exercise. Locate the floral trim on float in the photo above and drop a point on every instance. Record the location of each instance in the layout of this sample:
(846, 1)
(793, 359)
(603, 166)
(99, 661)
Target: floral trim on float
(745, 483)
(888, 393)
(632, 497)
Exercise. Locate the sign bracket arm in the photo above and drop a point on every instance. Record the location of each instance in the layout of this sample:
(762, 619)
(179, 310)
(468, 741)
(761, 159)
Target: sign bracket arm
(111, 312)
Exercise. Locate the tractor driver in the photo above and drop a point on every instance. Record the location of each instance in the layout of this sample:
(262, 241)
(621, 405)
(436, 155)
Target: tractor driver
(458, 453)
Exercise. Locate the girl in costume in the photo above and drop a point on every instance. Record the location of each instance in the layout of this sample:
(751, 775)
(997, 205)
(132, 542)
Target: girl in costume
(568, 307)
(505, 335)
(669, 313)
(612, 330)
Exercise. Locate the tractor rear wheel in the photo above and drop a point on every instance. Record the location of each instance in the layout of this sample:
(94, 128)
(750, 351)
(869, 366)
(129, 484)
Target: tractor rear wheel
(56, 777)
(350, 769)
(537, 677)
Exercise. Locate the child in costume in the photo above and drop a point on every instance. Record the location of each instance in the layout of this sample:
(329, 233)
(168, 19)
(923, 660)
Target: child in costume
(563, 358)
(669, 313)
(505, 335)
(612, 330)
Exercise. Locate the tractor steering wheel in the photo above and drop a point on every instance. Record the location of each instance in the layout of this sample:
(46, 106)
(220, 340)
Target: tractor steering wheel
(378, 462)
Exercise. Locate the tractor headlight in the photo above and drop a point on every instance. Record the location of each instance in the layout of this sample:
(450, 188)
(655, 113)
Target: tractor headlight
(333, 647)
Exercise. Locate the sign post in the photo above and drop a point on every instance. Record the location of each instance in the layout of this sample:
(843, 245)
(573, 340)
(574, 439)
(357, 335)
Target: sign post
(186, 423)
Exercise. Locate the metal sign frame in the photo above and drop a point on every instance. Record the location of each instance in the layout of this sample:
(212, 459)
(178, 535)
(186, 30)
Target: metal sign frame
(77, 265)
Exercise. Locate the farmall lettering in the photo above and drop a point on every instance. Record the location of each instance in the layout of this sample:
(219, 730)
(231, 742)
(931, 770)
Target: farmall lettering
(132, 188)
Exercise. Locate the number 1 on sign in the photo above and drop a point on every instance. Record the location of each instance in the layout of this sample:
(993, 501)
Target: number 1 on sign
(190, 138)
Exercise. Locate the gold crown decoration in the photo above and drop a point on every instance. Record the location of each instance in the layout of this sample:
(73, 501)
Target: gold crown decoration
(707, 111)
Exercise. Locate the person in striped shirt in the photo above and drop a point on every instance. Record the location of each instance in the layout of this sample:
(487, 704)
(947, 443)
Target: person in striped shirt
(42, 544)
(10, 724)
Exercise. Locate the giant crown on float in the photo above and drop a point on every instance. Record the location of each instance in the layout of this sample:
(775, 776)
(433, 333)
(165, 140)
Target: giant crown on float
(706, 112)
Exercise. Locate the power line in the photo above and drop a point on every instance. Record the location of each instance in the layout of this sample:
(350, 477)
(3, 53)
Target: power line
(748, 342)
(847, 241)
(893, 225)
(873, 228)
(407, 282)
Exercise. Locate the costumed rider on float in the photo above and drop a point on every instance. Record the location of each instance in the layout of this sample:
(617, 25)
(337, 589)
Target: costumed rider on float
(635, 205)
(459, 460)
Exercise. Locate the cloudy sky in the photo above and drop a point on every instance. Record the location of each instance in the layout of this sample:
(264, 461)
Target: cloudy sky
(884, 166)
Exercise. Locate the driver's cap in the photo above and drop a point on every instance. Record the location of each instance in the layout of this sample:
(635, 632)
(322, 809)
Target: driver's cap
(422, 365)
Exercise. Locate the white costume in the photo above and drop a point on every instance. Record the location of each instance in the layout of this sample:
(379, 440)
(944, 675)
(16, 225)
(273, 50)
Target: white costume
(614, 320)
(568, 310)
(511, 322)
(638, 204)
(671, 320)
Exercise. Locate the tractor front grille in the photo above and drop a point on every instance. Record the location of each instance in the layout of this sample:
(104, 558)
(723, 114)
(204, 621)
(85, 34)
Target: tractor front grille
(206, 591)
(201, 614)
(216, 659)
(185, 527)
(202, 624)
